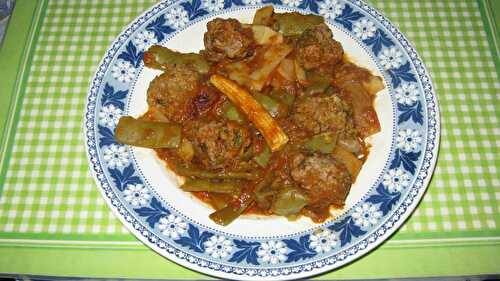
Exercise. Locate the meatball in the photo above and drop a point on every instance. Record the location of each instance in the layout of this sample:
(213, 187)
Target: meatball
(322, 113)
(172, 93)
(226, 38)
(325, 180)
(316, 46)
(218, 144)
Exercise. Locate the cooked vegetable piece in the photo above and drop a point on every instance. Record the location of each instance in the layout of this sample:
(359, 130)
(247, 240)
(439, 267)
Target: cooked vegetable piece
(198, 173)
(287, 69)
(264, 35)
(264, 198)
(352, 164)
(219, 200)
(274, 107)
(185, 150)
(365, 117)
(271, 59)
(316, 84)
(255, 112)
(347, 72)
(263, 190)
(291, 24)
(232, 113)
(263, 158)
(228, 214)
(373, 84)
(264, 16)
(352, 145)
(289, 201)
(239, 72)
(162, 58)
(211, 186)
(156, 115)
(148, 134)
(300, 72)
(323, 143)
(286, 97)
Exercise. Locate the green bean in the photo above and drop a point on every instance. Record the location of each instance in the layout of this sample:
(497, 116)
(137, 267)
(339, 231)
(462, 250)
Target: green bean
(291, 24)
(263, 158)
(273, 106)
(286, 97)
(289, 201)
(162, 58)
(147, 133)
(323, 143)
(219, 200)
(317, 84)
(262, 198)
(229, 213)
(211, 186)
(198, 173)
(232, 113)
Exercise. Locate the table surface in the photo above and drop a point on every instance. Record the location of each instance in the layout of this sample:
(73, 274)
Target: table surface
(53, 220)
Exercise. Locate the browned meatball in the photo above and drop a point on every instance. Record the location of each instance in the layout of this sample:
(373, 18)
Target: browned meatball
(325, 180)
(218, 144)
(322, 113)
(316, 46)
(226, 38)
(173, 91)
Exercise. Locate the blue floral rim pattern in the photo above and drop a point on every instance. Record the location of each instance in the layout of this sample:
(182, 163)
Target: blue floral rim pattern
(381, 211)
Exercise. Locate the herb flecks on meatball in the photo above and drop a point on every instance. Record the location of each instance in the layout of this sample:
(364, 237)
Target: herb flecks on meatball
(316, 47)
(227, 39)
(173, 91)
(325, 180)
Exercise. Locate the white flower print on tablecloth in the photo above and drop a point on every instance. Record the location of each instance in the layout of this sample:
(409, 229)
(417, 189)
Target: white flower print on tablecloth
(364, 29)
(323, 241)
(137, 195)
(272, 252)
(391, 58)
(177, 17)
(116, 156)
(213, 5)
(218, 246)
(172, 226)
(123, 71)
(109, 116)
(144, 39)
(366, 215)
(408, 140)
(407, 94)
(330, 9)
(396, 180)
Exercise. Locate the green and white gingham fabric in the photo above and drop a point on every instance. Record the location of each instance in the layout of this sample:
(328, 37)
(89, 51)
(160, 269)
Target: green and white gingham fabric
(48, 188)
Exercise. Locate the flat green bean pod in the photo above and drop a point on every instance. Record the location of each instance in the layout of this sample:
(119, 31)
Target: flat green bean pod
(147, 133)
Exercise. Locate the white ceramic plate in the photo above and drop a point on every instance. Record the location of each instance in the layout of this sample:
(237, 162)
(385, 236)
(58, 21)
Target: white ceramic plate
(144, 195)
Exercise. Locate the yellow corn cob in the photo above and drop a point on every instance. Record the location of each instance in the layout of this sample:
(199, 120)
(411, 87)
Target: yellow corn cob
(255, 112)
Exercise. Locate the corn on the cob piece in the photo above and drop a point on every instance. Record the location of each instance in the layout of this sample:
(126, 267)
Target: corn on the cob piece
(255, 112)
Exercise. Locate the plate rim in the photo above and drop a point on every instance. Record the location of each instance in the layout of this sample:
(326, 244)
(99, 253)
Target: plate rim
(380, 18)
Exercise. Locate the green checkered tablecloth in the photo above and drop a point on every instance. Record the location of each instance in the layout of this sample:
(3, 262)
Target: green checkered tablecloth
(53, 220)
